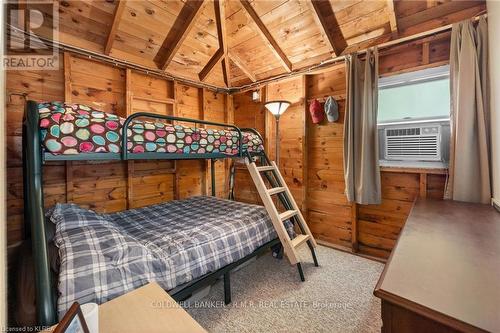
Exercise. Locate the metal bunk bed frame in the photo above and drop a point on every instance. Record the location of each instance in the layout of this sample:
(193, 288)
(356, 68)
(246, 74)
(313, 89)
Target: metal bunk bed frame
(34, 158)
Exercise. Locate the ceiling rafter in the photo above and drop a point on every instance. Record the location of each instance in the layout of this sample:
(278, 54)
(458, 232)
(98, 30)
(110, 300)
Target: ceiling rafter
(220, 20)
(241, 65)
(329, 24)
(225, 72)
(436, 12)
(211, 64)
(362, 24)
(393, 18)
(183, 24)
(322, 29)
(268, 38)
(120, 7)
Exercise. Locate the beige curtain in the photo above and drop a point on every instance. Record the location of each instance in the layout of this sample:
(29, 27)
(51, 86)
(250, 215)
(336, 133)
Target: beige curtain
(469, 172)
(361, 165)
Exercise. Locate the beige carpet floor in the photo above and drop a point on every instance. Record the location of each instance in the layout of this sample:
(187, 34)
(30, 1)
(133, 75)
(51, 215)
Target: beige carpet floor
(269, 297)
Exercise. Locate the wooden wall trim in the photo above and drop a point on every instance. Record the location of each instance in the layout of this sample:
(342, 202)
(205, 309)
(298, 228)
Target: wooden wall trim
(69, 181)
(175, 171)
(67, 76)
(229, 119)
(423, 185)
(307, 123)
(206, 164)
(429, 171)
(269, 127)
(128, 108)
(354, 227)
(305, 156)
(67, 96)
(369, 230)
(103, 186)
(377, 226)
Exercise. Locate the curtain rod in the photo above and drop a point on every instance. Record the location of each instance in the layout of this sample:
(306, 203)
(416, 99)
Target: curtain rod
(335, 61)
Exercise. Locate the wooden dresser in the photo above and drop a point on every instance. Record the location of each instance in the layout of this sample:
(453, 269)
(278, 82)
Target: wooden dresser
(444, 273)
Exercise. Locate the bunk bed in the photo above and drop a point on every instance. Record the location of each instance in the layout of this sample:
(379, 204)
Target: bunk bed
(71, 132)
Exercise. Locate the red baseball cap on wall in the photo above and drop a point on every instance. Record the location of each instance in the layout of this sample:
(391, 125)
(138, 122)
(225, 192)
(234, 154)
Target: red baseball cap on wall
(317, 113)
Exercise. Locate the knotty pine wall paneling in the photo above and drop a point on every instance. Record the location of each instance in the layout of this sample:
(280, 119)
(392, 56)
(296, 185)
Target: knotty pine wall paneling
(20, 86)
(105, 186)
(247, 113)
(329, 214)
(191, 174)
(150, 182)
(212, 104)
(100, 186)
(379, 225)
(108, 87)
(370, 229)
(293, 150)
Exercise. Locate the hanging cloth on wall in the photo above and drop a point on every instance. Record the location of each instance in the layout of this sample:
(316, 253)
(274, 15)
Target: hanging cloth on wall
(317, 114)
(469, 172)
(361, 164)
(331, 109)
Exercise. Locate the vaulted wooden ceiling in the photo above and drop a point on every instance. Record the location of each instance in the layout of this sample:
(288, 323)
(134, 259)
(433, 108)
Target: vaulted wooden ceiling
(229, 43)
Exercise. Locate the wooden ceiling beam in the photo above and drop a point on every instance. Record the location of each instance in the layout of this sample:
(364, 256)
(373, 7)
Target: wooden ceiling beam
(211, 64)
(241, 65)
(225, 72)
(326, 17)
(323, 32)
(266, 35)
(220, 20)
(183, 24)
(120, 7)
(393, 18)
(436, 12)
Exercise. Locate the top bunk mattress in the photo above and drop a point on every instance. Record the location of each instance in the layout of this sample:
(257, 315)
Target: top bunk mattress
(103, 256)
(70, 129)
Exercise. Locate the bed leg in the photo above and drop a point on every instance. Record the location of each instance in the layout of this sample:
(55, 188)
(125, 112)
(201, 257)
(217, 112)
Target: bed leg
(227, 288)
(277, 251)
(301, 273)
(313, 253)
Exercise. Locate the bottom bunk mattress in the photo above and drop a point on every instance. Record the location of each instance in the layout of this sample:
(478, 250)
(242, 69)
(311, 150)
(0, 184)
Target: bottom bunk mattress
(102, 256)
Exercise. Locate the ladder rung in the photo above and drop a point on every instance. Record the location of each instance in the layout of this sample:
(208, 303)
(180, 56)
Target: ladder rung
(299, 240)
(265, 168)
(276, 190)
(288, 214)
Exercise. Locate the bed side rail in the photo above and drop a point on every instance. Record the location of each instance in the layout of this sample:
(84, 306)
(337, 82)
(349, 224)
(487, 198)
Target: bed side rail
(34, 215)
(261, 154)
(254, 131)
(34, 204)
(130, 118)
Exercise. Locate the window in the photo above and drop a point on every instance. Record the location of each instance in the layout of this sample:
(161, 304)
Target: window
(423, 94)
(413, 118)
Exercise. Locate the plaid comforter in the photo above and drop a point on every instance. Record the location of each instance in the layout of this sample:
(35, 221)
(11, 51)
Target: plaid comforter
(103, 256)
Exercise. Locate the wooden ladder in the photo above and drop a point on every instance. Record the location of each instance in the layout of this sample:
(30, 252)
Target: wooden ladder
(292, 211)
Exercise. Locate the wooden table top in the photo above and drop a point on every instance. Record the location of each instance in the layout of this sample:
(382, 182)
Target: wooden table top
(446, 265)
(146, 309)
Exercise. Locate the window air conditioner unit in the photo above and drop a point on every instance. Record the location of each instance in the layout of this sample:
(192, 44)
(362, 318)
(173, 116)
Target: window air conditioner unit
(415, 143)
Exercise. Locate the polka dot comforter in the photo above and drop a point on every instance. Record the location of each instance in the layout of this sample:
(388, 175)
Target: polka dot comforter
(76, 129)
